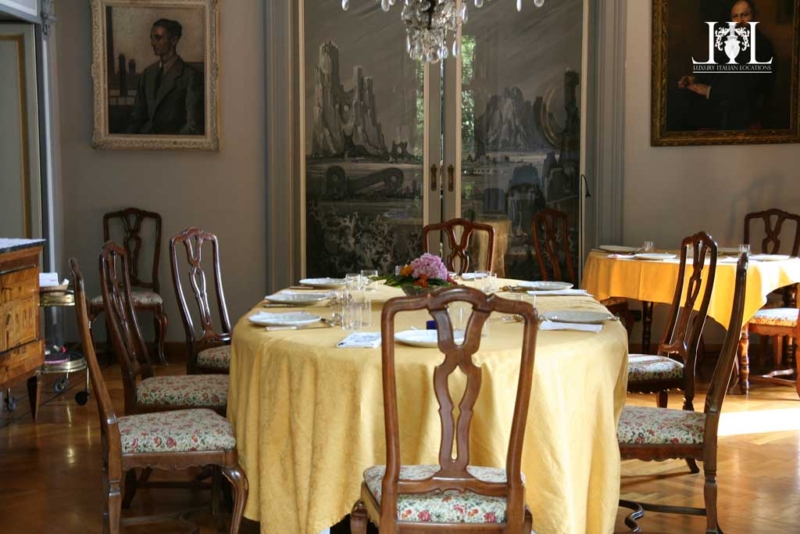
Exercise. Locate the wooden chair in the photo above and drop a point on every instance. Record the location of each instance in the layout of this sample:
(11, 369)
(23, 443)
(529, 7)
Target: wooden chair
(209, 350)
(388, 492)
(146, 296)
(551, 241)
(779, 319)
(674, 365)
(168, 440)
(145, 392)
(661, 434)
(459, 248)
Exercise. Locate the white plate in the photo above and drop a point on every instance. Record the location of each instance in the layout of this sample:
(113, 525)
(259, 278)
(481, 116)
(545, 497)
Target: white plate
(573, 316)
(297, 297)
(473, 276)
(541, 285)
(618, 249)
(728, 250)
(424, 338)
(323, 283)
(654, 256)
(769, 257)
(284, 319)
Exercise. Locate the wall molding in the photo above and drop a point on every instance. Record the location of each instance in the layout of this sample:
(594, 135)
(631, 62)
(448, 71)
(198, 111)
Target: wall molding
(284, 166)
(607, 126)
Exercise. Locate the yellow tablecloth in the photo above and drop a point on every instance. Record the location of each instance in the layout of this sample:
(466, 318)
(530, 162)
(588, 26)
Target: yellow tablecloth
(654, 281)
(309, 418)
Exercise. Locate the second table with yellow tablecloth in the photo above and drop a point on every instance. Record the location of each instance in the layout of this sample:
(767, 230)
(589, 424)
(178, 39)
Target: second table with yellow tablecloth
(308, 417)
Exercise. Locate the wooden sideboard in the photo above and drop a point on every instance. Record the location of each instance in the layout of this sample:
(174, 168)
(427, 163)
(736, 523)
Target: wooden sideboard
(21, 348)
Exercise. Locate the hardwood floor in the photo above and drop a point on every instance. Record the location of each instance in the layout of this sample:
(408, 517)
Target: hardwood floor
(50, 472)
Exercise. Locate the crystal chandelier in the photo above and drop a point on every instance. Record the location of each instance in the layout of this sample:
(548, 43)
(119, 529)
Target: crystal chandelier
(428, 23)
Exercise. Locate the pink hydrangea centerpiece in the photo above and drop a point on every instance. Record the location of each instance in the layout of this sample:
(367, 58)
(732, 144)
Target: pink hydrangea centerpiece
(427, 271)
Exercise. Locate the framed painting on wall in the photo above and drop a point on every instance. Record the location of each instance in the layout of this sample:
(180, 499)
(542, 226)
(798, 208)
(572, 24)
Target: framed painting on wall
(725, 72)
(155, 74)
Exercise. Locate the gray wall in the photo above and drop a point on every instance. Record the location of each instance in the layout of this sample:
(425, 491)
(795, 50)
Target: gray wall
(672, 192)
(222, 192)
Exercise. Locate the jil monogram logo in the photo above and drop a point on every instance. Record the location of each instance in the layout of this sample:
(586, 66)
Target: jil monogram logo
(732, 39)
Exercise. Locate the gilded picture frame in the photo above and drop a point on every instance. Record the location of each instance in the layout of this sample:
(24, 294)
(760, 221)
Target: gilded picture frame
(694, 105)
(155, 74)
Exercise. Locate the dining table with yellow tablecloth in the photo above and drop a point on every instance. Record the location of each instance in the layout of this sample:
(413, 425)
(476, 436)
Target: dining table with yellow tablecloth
(308, 416)
(607, 275)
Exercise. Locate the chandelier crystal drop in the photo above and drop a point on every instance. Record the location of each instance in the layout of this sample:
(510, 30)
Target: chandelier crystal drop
(428, 23)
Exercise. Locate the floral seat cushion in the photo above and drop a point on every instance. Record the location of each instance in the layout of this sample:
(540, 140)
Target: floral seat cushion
(202, 391)
(178, 431)
(660, 426)
(442, 507)
(139, 298)
(776, 317)
(646, 367)
(215, 357)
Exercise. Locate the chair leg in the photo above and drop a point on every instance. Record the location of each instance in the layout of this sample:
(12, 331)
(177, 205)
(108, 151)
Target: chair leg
(238, 480)
(112, 513)
(216, 483)
(662, 399)
(160, 323)
(710, 494)
(692, 463)
(132, 483)
(358, 518)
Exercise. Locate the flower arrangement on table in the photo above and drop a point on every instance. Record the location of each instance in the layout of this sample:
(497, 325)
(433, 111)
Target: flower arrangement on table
(424, 274)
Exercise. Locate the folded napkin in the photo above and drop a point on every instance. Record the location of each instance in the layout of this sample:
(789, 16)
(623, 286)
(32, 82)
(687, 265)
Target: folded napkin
(620, 256)
(560, 293)
(363, 340)
(580, 327)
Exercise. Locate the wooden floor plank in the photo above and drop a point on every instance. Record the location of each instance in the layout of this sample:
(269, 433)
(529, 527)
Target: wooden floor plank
(50, 478)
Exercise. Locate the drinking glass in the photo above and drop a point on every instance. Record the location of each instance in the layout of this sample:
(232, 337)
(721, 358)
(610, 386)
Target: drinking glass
(649, 246)
(486, 281)
(353, 280)
(370, 277)
(744, 248)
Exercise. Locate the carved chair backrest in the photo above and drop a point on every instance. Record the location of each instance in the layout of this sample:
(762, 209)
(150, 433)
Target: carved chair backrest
(192, 241)
(109, 427)
(695, 281)
(551, 241)
(720, 380)
(133, 220)
(773, 221)
(452, 473)
(123, 326)
(459, 260)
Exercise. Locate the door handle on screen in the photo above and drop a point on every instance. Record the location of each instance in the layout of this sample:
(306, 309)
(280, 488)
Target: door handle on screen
(434, 173)
(450, 177)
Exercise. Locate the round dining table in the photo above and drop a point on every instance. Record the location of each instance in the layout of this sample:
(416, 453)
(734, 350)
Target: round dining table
(308, 416)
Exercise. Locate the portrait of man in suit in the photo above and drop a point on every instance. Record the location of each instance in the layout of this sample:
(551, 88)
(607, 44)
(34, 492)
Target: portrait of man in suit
(169, 96)
(156, 85)
(725, 72)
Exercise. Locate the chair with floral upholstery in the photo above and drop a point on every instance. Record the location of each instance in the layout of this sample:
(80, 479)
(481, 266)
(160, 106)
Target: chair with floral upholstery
(145, 392)
(209, 350)
(146, 296)
(674, 366)
(550, 231)
(779, 318)
(458, 260)
(168, 440)
(453, 495)
(656, 434)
